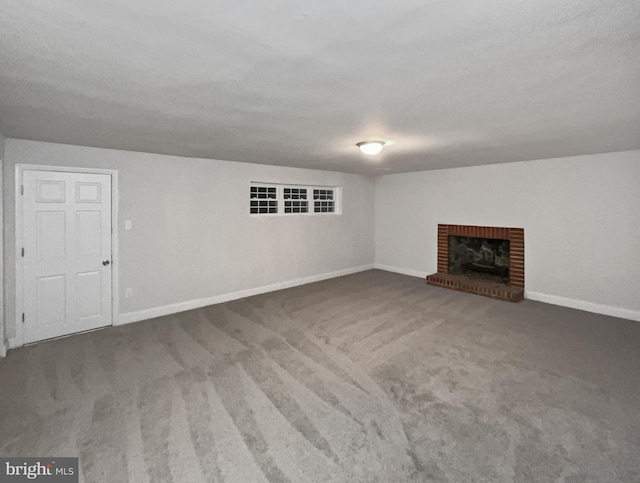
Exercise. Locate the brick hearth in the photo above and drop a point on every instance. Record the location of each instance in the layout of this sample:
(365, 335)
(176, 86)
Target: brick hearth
(513, 291)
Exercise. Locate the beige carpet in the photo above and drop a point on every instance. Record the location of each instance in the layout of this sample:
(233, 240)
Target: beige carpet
(370, 377)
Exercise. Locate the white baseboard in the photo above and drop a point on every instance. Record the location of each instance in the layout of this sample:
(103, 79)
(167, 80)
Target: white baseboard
(403, 271)
(3, 349)
(584, 305)
(145, 314)
(540, 297)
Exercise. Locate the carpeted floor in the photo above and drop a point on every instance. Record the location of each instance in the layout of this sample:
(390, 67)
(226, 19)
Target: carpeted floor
(370, 377)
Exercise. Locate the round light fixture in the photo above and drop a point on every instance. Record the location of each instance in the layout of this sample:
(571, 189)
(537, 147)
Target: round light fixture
(370, 147)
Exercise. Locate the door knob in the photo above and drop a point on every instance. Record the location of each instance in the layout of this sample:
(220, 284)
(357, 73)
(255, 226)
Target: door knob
(106, 262)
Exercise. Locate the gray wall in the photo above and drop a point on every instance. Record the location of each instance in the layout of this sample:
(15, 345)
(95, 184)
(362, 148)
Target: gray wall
(192, 237)
(579, 214)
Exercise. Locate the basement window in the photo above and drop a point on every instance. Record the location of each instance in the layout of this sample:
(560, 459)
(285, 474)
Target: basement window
(323, 201)
(264, 199)
(282, 199)
(295, 200)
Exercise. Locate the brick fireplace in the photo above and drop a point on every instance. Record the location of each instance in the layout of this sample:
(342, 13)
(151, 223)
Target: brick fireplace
(511, 288)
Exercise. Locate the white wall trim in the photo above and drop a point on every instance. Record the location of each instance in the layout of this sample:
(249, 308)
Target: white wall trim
(4, 347)
(18, 340)
(403, 271)
(145, 314)
(584, 305)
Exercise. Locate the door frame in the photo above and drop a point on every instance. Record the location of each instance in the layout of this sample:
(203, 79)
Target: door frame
(115, 293)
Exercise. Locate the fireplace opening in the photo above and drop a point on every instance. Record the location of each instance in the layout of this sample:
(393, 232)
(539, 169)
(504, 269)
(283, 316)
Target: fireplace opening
(479, 258)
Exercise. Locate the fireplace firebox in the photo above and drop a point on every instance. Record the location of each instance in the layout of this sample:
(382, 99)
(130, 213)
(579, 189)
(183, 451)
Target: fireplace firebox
(482, 260)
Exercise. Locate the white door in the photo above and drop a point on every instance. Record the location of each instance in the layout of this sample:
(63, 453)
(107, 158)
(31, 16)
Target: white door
(67, 253)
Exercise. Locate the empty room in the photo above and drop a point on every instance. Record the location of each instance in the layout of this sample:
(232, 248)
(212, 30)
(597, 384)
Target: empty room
(320, 241)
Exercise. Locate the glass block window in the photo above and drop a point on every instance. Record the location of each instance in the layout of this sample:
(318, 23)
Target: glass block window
(263, 199)
(323, 201)
(295, 200)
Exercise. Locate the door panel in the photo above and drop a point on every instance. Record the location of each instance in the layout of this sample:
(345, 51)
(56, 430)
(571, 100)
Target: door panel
(88, 233)
(66, 221)
(51, 233)
(88, 193)
(50, 191)
(88, 301)
(51, 297)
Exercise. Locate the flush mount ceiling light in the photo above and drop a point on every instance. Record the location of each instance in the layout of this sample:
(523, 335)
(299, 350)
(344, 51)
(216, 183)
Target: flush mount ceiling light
(370, 147)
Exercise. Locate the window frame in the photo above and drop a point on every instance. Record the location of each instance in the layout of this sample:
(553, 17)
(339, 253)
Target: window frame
(267, 199)
(332, 201)
(292, 200)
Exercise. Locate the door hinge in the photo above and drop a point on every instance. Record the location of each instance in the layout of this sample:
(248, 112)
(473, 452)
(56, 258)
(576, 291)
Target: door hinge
(22, 189)
(22, 317)
(23, 253)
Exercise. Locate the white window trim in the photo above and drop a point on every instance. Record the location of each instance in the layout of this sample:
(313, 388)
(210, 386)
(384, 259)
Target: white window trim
(337, 198)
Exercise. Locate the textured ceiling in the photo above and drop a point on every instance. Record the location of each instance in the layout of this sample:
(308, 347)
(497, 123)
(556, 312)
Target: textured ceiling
(298, 83)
